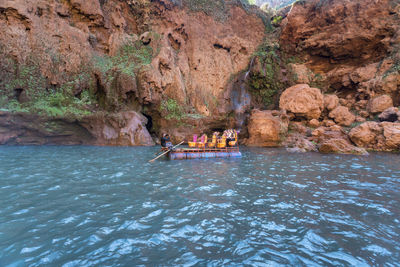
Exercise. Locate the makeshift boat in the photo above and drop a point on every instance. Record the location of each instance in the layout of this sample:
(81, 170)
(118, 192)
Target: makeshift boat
(197, 153)
(224, 147)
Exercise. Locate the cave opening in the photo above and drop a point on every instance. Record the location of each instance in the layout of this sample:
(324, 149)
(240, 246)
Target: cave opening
(149, 124)
(17, 93)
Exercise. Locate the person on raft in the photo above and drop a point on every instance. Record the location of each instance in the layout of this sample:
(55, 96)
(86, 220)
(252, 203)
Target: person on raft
(166, 141)
(230, 136)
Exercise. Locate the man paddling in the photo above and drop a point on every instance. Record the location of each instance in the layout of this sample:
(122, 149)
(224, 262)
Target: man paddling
(166, 141)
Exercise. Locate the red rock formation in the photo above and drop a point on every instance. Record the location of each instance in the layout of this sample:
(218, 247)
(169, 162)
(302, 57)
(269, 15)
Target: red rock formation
(379, 104)
(334, 140)
(348, 45)
(302, 101)
(125, 128)
(377, 136)
(342, 116)
(131, 55)
(267, 128)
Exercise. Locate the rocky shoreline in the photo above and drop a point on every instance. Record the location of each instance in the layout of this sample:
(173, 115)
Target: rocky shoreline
(311, 121)
(315, 76)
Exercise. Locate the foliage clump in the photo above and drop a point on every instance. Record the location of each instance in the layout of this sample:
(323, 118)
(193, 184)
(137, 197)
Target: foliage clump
(265, 83)
(128, 60)
(26, 80)
(172, 109)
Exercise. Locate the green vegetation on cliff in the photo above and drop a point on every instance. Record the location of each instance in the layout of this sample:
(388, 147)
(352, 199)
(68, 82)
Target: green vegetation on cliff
(24, 87)
(128, 60)
(219, 9)
(265, 80)
(112, 71)
(172, 109)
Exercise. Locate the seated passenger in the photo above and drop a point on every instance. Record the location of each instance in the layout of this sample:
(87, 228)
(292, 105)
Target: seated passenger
(203, 141)
(193, 144)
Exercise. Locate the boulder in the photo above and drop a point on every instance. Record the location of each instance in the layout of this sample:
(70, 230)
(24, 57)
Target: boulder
(334, 140)
(364, 74)
(384, 136)
(391, 114)
(340, 145)
(364, 113)
(90, 8)
(331, 102)
(391, 132)
(296, 142)
(366, 134)
(123, 129)
(328, 123)
(379, 104)
(342, 116)
(266, 130)
(360, 119)
(303, 101)
(314, 123)
(298, 127)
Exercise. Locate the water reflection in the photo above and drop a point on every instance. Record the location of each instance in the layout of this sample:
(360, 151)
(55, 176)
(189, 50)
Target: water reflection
(84, 206)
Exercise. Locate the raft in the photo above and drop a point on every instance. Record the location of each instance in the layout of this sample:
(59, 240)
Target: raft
(198, 153)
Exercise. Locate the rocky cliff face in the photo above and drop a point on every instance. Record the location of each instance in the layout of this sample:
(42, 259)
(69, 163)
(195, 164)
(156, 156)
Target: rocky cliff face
(114, 72)
(80, 61)
(348, 53)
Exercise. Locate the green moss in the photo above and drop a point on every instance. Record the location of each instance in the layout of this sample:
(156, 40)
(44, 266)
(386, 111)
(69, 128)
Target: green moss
(173, 109)
(277, 20)
(219, 9)
(265, 84)
(39, 98)
(128, 60)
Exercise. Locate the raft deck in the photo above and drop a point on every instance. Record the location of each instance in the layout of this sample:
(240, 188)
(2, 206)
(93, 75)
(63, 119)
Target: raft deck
(196, 153)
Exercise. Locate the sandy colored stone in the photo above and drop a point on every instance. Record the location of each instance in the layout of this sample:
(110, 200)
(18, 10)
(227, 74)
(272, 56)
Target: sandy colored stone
(360, 119)
(334, 140)
(331, 102)
(391, 132)
(339, 145)
(303, 101)
(266, 130)
(298, 127)
(296, 142)
(379, 104)
(342, 116)
(328, 123)
(364, 113)
(314, 123)
(365, 73)
(365, 135)
(318, 132)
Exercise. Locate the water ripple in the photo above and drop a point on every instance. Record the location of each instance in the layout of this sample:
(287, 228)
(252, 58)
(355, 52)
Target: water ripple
(91, 206)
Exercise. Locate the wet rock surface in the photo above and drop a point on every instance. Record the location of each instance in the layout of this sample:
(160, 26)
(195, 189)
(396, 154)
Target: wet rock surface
(127, 128)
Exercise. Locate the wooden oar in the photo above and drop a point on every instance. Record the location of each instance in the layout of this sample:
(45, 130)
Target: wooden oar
(159, 156)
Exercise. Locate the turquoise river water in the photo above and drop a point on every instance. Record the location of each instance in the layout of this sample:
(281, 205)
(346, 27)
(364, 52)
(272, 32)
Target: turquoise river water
(107, 206)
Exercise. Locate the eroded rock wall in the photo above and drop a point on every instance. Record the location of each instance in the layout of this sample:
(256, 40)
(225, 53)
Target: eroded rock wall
(346, 53)
(74, 58)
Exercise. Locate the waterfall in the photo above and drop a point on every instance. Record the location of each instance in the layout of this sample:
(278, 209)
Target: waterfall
(241, 99)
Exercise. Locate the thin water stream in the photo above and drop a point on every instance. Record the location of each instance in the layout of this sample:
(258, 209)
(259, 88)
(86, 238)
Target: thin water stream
(107, 206)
